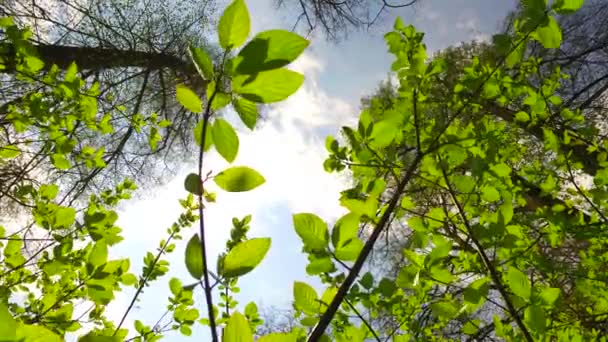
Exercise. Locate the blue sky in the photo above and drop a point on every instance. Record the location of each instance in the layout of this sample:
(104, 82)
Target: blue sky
(288, 149)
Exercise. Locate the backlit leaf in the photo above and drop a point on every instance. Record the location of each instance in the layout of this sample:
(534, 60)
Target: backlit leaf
(312, 230)
(269, 50)
(194, 254)
(267, 86)
(188, 99)
(233, 27)
(203, 63)
(237, 329)
(99, 254)
(247, 111)
(9, 151)
(550, 35)
(226, 140)
(305, 298)
(239, 179)
(245, 256)
(519, 283)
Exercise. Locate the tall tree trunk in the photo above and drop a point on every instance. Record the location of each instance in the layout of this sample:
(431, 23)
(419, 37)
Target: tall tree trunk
(97, 59)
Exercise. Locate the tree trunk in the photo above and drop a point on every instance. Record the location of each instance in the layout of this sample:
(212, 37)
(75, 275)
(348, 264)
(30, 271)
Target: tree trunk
(97, 59)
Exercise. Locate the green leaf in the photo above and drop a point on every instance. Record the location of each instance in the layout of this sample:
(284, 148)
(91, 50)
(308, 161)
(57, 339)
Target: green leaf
(464, 184)
(269, 50)
(194, 254)
(91, 337)
(175, 285)
(267, 86)
(220, 99)
(48, 191)
(345, 229)
(64, 217)
(349, 251)
(9, 151)
(239, 179)
(198, 129)
(226, 140)
(202, 62)
(320, 265)
(549, 295)
(245, 256)
(501, 169)
(193, 184)
(247, 111)
(35, 333)
(535, 318)
(550, 35)
(8, 328)
(305, 298)
(312, 230)
(188, 99)
(233, 27)
(367, 281)
(60, 161)
(237, 329)
(502, 42)
(567, 6)
(99, 254)
(490, 194)
(476, 293)
(519, 283)
(278, 337)
(383, 133)
(522, 116)
(444, 309)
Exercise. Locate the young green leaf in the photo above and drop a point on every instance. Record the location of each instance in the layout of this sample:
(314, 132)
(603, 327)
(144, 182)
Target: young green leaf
(278, 337)
(519, 283)
(247, 111)
(208, 136)
(305, 298)
(203, 63)
(267, 86)
(239, 179)
(535, 318)
(9, 151)
(567, 6)
(35, 333)
(99, 254)
(64, 217)
(194, 262)
(220, 99)
(233, 27)
(350, 250)
(8, 328)
(188, 99)
(193, 184)
(550, 35)
(383, 133)
(60, 161)
(269, 50)
(490, 194)
(225, 138)
(319, 265)
(312, 230)
(345, 229)
(237, 329)
(549, 295)
(245, 256)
